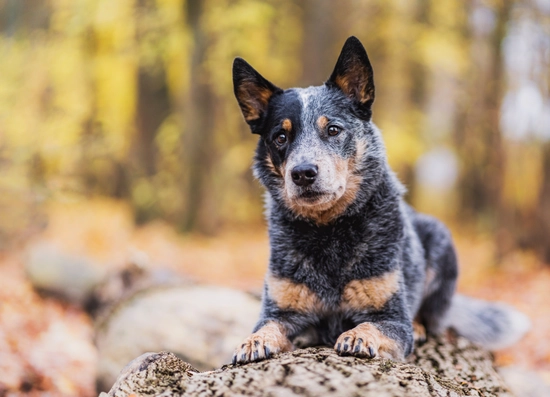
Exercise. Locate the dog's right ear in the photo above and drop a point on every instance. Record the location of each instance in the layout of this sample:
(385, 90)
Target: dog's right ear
(253, 92)
(353, 75)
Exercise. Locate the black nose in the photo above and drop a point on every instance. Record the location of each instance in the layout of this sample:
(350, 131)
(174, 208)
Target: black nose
(304, 174)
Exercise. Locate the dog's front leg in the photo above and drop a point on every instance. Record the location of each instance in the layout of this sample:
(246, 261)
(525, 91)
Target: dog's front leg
(288, 308)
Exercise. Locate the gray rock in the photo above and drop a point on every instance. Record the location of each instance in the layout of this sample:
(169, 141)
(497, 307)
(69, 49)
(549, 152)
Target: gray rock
(524, 383)
(126, 282)
(65, 276)
(200, 324)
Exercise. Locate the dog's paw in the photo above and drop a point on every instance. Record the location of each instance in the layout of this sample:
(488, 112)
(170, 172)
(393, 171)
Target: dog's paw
(359, 344)
(367, 341)
(264, 343)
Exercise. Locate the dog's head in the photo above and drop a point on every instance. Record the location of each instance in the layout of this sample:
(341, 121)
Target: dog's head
(314, 141)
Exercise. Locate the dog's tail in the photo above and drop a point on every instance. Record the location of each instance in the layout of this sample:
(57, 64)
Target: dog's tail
(492, 325)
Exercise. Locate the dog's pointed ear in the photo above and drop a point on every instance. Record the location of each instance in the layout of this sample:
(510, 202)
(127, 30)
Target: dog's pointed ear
(353, 73)
(253, 92)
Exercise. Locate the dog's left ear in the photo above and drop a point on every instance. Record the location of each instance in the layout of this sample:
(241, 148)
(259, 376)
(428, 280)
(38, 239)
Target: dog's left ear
(353, 74)
(253, 92)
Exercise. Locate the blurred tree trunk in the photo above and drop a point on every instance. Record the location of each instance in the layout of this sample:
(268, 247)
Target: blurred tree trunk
(531, 228)
(9, 13)
(152, 108)
(478, 134)
(322, 38)
(24, 14)
(417, 70)
(542, 219)
(417, 91)
(495, 142)
(198, 129)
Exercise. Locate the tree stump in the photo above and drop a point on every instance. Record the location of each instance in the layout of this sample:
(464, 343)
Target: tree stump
(446, 366)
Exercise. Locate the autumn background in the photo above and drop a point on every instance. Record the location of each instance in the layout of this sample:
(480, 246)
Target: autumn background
(119, 133)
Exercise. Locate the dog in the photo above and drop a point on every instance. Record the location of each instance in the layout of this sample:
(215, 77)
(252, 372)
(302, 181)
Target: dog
(351, 265)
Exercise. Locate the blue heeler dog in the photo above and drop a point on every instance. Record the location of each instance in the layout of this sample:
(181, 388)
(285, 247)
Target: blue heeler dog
(352, 265)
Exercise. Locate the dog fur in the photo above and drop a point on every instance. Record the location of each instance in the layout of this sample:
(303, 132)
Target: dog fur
(352, 265)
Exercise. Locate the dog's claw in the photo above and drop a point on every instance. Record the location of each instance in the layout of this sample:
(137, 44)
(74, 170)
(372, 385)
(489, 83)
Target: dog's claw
(371, 352)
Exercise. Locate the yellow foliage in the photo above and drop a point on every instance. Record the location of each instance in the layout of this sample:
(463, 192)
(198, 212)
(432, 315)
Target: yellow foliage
(522, 173)
(402, 145)
(73, 121)
(97, 228)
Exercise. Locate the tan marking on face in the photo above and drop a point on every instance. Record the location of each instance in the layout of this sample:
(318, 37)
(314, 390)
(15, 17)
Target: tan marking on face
(271, 166)
(292, 296)
(253, 99)
(323, 213)
(273, 335)
(287, 125)
(322, 122)
(382, 345)
(370, 293)
(282, 169)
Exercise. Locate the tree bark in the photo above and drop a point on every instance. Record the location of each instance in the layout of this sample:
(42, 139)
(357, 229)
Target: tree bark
(447, 366)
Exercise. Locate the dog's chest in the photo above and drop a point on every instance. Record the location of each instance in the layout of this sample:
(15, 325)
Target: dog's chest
(328, 282)
(343, 267)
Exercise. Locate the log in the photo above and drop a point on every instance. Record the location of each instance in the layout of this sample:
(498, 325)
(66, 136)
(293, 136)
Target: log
(444, 366)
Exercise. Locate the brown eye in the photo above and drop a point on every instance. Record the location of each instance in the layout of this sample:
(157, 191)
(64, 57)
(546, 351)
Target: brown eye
(281, 139)
(334, 130)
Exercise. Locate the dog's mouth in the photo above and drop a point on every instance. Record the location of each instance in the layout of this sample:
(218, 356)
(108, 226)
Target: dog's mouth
(311, 197)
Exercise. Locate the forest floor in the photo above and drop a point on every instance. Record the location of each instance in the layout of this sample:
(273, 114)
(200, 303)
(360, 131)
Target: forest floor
(46, 346)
